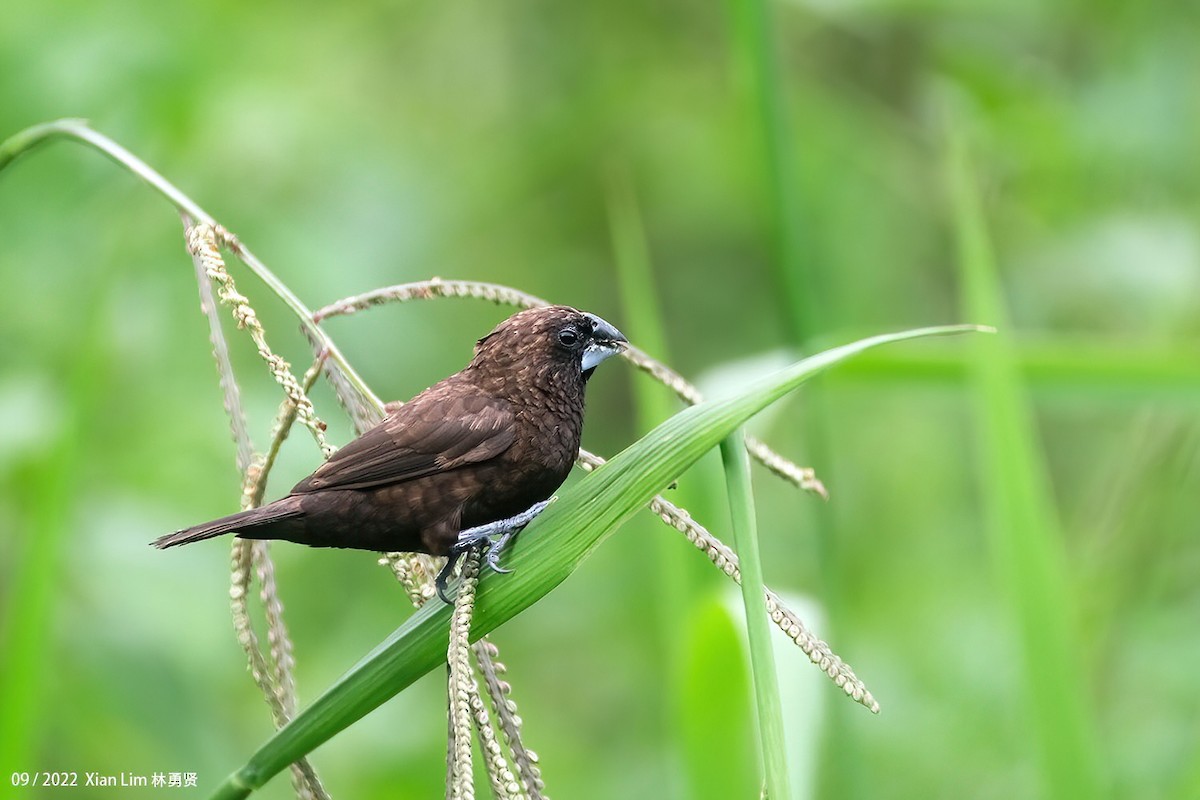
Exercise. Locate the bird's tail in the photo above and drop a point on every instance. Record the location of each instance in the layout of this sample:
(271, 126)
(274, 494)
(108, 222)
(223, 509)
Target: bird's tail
(254, 523)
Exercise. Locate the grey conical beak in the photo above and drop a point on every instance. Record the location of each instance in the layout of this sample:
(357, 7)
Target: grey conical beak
(606, 341)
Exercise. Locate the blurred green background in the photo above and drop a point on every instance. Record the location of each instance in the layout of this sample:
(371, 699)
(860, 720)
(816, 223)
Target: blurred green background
(788, 203)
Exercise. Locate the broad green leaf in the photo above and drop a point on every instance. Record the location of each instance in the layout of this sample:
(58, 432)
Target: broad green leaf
(717, 728)
(549, 550)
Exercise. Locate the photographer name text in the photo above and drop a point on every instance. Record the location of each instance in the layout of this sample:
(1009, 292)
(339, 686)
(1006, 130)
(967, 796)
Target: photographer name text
(70, 780)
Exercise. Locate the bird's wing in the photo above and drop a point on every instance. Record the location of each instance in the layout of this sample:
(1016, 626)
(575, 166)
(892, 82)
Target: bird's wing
(431, 434)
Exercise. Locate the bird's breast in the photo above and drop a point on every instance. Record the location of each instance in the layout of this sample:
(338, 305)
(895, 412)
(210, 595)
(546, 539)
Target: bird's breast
(549, 438)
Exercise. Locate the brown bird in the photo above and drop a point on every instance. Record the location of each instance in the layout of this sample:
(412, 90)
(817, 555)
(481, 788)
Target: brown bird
(471, 457)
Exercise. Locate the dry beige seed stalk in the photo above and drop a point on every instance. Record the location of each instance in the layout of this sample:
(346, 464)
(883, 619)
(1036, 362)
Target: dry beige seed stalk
(461, 683)
(503, 781)
(278, 641)
(202, 244)
(275, 678)
(524, 761)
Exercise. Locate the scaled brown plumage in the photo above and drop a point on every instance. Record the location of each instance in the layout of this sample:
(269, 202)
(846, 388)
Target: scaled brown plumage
(481, 446)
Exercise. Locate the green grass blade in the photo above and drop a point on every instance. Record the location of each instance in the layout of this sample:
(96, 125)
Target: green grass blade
(1026, 542)
(545, 555)
(762, 657)
(1111, 371)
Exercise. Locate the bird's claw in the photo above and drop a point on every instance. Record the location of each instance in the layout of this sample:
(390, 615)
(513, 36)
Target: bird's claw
(492, 557)
(441, 582)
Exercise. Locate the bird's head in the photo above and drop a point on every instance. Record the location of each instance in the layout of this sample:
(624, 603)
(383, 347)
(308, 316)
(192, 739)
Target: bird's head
(551, 340)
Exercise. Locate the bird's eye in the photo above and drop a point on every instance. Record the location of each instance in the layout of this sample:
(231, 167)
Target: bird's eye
(568, 337)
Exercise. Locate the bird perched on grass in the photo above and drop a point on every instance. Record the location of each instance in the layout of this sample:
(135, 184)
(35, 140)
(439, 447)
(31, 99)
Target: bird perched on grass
(474, 456)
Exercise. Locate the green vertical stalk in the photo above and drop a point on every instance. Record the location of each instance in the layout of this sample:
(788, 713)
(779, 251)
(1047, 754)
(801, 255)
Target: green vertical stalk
(759, 73)
(635, 281)
(30, 601)
(762, 659)
(665, 571)
(1026, 542)
(653, 402)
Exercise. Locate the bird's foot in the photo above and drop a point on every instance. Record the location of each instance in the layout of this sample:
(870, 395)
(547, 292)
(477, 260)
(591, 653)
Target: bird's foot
(503, 531)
